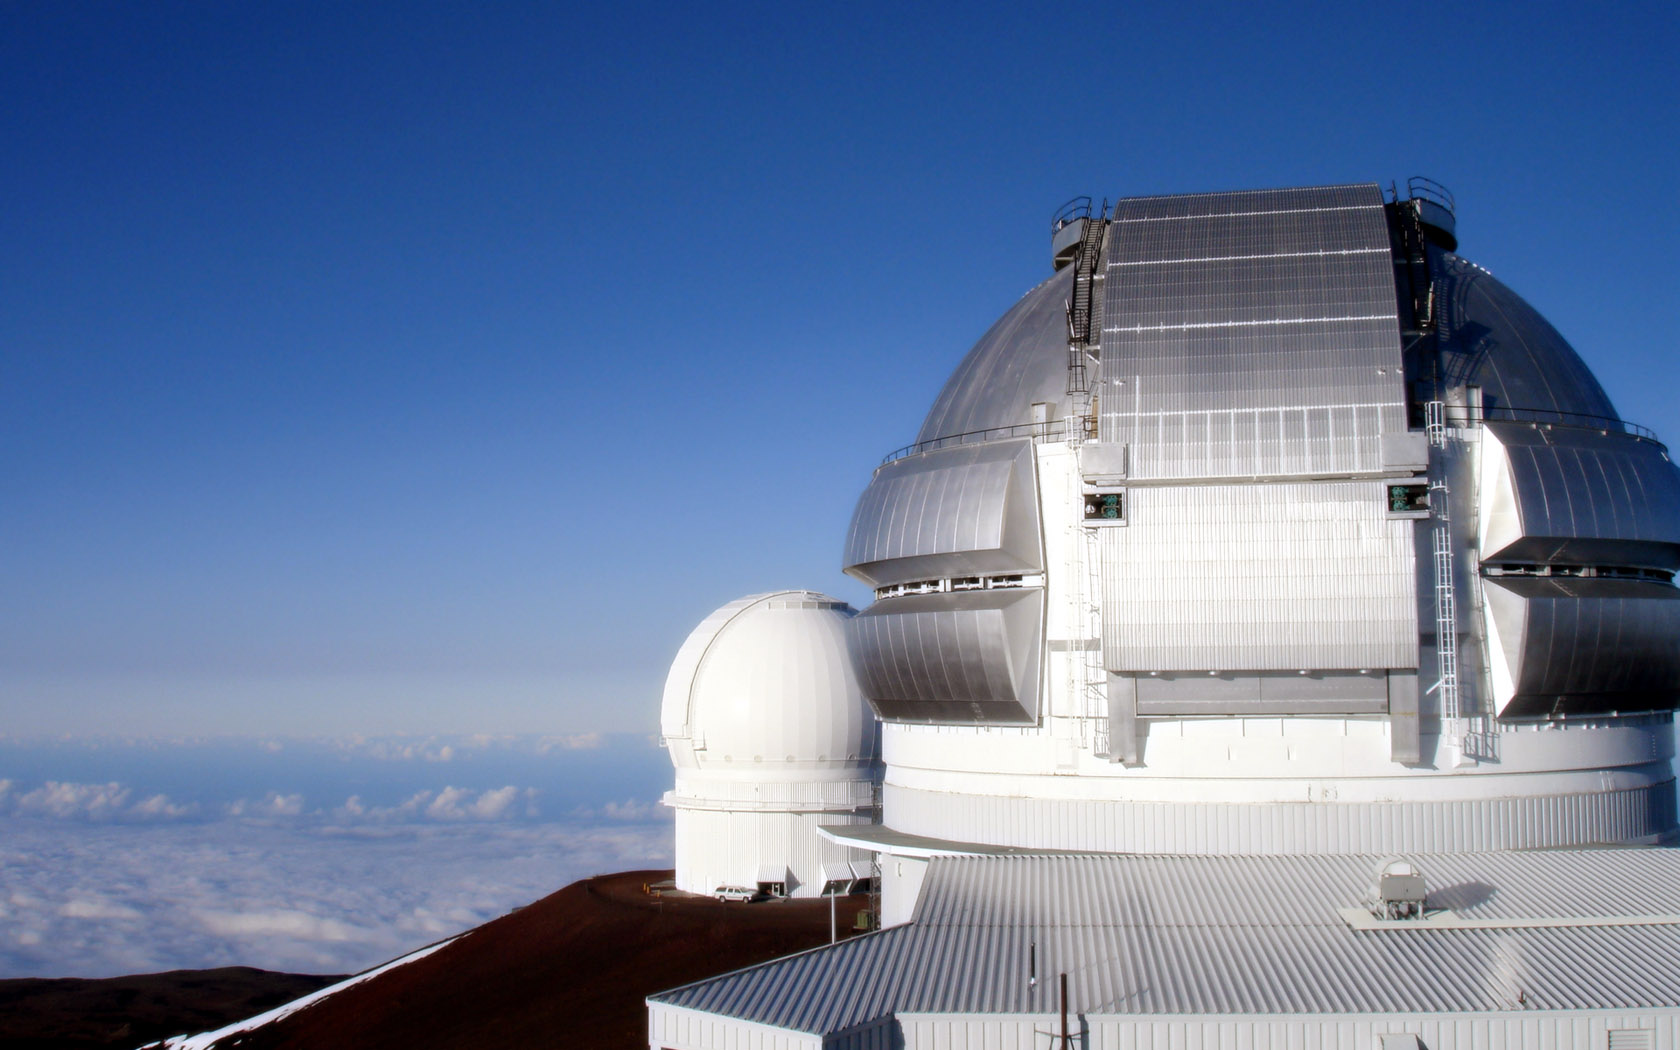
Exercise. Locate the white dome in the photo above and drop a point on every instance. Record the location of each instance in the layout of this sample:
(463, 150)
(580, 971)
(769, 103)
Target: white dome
(764, 686)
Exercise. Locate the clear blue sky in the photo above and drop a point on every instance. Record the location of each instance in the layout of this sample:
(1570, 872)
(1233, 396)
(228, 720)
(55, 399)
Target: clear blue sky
(435, 367)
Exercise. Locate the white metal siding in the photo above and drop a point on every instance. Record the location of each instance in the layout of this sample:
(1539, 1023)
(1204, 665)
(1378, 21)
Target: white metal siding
(1119, 825)
(1259, 577)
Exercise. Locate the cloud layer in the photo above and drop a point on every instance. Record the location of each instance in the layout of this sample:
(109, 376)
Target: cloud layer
(304, 855)
(79, 899)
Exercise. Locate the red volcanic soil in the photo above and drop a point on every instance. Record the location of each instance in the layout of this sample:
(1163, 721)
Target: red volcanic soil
(570, 970)
(75, 1013)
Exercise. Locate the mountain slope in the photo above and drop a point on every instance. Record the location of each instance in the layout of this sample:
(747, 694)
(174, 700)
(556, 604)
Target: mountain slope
(569, 970)
(75, 1013)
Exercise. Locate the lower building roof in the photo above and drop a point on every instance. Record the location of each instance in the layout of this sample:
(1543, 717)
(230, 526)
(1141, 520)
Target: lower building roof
(1576, 930)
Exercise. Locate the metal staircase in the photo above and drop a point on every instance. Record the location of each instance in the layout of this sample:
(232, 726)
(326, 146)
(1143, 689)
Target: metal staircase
(1081, 306)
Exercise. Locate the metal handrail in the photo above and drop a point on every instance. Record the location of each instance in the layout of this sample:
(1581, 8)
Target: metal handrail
(1057, 428)
(1054, 428)
(1071, 212)
(1420, 188)
(1571, 420)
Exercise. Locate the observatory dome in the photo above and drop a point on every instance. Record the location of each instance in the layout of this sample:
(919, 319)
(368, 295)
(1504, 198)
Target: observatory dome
(1491, 337)
(766, 681)
(771, 738)
(1269, 523)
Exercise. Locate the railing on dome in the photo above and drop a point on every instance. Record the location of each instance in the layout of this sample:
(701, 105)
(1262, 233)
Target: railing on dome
(1054, 429)
(1072, 211)
(1549, 417)
(1420, 188)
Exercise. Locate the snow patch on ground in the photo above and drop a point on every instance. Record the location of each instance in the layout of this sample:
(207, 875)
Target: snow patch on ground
(208, 1040)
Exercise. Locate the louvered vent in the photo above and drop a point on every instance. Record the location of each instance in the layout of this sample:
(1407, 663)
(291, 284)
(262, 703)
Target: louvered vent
(1632, 1039)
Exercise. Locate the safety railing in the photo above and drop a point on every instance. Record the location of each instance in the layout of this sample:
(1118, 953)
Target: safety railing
(1420, 188)
(1052, 429)
(1554, 418)
(1072, 211)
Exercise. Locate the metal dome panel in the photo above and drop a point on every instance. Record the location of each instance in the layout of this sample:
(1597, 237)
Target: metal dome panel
(951, 512)
(1492, 339)
(1584, 646)
(1020, 361)
(1568, 495)
(968, 657)
(1251, 334)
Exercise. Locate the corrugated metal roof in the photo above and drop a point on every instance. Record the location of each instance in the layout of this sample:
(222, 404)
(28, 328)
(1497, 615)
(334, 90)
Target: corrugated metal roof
(1234, 935)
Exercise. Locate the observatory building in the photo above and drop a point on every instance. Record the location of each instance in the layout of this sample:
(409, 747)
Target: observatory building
(771, 738)
(1276, 642)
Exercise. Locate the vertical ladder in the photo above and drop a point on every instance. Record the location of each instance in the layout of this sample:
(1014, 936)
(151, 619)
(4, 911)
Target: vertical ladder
(875, 860)
(1087, 679)
(1435, 422)
(1453, 731)
(1096, 674)
(1446, 607)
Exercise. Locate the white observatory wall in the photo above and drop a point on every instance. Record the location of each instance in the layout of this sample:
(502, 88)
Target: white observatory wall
(680, 1028)
(1588, 1030)
(729, 848)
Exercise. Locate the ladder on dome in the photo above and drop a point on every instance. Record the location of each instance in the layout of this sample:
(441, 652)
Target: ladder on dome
(1456, 731)
(1081, 306)
(1087, 678)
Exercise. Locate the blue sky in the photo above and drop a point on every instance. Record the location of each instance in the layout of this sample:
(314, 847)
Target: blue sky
(436, 367)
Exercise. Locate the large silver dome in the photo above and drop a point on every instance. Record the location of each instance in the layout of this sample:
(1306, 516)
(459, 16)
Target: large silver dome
(1281, 464)
(1490, 337)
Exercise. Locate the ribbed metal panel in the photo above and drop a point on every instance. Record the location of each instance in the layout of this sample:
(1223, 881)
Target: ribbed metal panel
(824, 990)
(1251, 334)
(1571, 495)
(1118, 825)
(1233, 936)
(1490, 338)
(1277, 577)
(959, 657)
(1584, 646)
(1021, 360)
(1515, 1028)
(953, 512)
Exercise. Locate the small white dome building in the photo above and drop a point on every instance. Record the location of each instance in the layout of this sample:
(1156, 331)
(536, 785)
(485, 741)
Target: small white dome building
(771, 737)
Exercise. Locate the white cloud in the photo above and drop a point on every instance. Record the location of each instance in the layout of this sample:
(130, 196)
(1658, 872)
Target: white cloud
(633, 809)
(64, 800)
(573, 742)
(96, 908)
(353, 809)
(461, 804)
(160, 806)
(288, 923)
(58, 799)
(630, 810)
(272, 804)
(398, 749)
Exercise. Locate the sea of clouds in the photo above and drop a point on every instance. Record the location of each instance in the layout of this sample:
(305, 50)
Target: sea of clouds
(325, 856)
